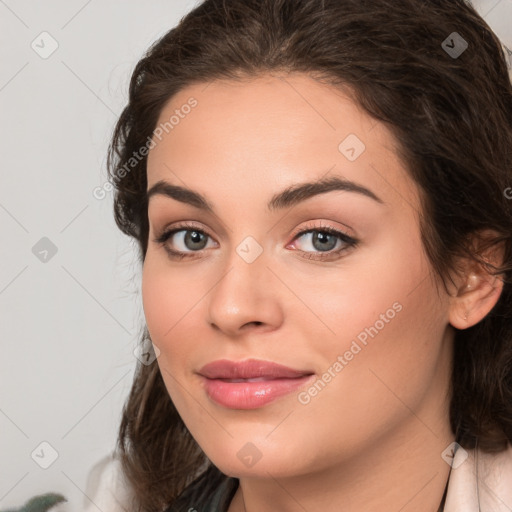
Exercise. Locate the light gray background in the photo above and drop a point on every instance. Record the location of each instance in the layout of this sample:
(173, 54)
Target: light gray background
(69, 325)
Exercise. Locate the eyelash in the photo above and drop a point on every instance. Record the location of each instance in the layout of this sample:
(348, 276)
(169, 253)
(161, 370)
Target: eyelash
(350, 242)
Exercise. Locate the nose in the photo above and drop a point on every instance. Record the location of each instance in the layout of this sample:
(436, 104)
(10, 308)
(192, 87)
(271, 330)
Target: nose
(246, 298)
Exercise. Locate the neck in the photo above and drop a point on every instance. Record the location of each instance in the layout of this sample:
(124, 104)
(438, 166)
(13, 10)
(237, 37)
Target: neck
(408, 476)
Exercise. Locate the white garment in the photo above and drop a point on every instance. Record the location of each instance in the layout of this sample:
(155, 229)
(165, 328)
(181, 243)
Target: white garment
(106, 488)
(108, 491)
(492, 471)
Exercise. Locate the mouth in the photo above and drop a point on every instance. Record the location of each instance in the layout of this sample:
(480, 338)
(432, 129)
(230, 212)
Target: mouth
(254, 379)
(249, 369)
(250, 384)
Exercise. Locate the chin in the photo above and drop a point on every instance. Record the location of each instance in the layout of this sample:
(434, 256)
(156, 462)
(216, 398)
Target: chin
(249, 459)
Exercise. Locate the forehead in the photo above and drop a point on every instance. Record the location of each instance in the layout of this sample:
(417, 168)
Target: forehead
(275, 130)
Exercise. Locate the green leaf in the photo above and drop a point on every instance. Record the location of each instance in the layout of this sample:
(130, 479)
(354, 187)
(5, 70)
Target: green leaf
(42, 503)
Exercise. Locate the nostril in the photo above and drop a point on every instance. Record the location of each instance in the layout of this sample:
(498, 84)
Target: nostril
(257, 323)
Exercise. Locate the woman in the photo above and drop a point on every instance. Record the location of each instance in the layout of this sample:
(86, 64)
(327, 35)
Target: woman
(319, 193)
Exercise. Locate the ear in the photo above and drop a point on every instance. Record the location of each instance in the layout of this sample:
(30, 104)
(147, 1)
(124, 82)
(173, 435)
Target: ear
(476, 289)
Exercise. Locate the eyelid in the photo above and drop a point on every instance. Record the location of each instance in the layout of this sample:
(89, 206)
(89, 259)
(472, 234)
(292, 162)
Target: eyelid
(310, 226)
(170, 230)
(205, 221)
(320, 226)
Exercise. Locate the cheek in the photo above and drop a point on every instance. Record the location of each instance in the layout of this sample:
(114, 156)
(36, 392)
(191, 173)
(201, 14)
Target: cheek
(386, 318)
(156, 302)
(168, 304)
(167, 300)
(367, 291)
(388, 323)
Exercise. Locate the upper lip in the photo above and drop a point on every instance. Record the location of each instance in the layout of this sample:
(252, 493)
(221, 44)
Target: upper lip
(249, 369)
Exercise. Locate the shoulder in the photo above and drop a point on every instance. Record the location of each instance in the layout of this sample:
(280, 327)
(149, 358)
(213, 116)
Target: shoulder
(106, 487)
(108, 490)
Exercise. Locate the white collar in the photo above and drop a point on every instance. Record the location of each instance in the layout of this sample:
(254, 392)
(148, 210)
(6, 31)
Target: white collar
(480, 482)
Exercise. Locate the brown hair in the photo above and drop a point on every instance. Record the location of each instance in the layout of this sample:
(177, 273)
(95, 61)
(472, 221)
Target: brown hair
(452, 119)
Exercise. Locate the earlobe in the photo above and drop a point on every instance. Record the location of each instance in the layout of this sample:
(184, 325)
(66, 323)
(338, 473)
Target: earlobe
(476, 297)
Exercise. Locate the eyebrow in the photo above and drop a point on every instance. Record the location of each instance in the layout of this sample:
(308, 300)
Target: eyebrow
(285, 199)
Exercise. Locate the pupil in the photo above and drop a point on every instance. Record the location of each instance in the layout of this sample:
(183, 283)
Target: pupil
(324, 238)
(194, 238)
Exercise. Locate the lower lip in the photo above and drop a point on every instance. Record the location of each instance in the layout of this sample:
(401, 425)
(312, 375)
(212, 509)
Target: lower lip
(251, 395)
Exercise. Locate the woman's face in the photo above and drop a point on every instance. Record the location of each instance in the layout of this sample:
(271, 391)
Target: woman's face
(357, 314)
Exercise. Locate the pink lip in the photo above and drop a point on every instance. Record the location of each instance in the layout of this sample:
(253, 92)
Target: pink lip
(251, 383)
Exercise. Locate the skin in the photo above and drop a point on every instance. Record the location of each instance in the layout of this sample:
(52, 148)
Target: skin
(372, 438)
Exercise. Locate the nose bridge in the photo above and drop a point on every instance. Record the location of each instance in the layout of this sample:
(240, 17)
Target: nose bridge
(245, 293)
(244, 276)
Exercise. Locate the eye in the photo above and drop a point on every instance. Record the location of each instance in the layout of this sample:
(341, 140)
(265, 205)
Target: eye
(317, 242)
(320, 241)
(323, 242)
(192, 240)
(183, 241)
